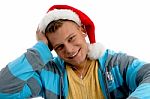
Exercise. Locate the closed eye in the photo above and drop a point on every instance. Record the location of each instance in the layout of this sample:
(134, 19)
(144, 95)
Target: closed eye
(60, 47)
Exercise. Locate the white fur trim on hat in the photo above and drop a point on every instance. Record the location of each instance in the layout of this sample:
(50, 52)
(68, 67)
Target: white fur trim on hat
(58, 14)
(96, 50)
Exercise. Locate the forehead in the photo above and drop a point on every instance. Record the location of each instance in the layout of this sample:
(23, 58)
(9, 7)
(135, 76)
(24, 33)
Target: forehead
(66, 27)
(56, 24)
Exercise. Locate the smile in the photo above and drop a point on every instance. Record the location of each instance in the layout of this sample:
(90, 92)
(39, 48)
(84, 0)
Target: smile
(74, 54)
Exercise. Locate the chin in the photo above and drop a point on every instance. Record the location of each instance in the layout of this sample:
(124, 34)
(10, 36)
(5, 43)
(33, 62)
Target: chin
(78, 61)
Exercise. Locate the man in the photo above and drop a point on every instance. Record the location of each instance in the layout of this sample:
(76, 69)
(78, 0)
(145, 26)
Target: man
(81, 70)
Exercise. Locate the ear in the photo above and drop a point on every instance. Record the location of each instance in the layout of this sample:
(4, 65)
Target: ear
(83, 30)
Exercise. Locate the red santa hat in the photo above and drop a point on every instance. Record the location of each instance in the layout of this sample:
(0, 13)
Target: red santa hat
(67, 12)
(57, 12)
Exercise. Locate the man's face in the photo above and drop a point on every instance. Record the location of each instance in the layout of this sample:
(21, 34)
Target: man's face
(69, 43)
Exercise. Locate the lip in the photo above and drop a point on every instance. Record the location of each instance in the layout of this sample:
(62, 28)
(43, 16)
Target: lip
(74, 55)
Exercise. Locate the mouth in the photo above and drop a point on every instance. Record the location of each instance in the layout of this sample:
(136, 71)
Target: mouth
(74, 55)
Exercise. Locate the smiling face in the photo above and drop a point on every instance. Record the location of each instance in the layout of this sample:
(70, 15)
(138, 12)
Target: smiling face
(69, 43)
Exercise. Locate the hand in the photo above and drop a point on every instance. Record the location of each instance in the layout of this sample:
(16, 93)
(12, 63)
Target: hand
(41, 36)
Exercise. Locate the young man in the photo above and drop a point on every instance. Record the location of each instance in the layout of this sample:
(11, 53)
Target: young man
(81, 70)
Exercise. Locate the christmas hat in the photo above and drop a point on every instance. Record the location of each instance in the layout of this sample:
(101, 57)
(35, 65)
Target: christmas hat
(67, 12)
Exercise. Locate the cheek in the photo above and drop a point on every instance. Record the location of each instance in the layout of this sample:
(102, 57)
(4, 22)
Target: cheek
(60, 54)
(84, 48)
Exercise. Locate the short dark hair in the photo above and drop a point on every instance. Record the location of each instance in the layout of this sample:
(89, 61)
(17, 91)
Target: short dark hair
(55, 25)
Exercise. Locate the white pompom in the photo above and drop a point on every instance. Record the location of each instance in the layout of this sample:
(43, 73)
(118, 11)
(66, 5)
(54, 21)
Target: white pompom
(96, 50)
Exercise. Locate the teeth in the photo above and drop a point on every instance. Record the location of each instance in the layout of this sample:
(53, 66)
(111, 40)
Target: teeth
(74, 54)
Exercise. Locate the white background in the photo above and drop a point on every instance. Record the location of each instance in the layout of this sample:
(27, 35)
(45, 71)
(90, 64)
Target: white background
(121, 25)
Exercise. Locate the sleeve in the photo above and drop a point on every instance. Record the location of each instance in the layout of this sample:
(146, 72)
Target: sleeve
(20, 78)
(131, 76)
(142, 82)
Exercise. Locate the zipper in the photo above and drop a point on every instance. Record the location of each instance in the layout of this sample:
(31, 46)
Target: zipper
(105, 81)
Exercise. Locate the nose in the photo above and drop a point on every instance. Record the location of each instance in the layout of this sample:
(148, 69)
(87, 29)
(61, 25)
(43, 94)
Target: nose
(69, 49)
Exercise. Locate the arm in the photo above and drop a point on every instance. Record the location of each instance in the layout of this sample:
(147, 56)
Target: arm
(20, 79)
(142, 80)
(130, 76)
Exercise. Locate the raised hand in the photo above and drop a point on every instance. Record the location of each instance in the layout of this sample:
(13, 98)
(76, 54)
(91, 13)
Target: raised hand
(41, 36)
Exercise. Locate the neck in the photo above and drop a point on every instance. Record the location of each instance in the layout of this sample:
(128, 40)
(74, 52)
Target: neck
(81, 69)
(81, 65)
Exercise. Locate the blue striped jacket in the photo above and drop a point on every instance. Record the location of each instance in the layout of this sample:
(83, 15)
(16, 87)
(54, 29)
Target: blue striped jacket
(36, 73)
